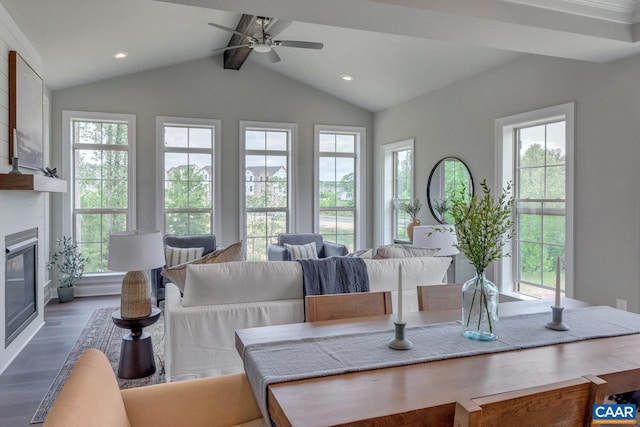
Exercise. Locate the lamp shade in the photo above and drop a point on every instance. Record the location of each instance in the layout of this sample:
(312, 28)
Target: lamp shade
(135, 250)
(436, 236)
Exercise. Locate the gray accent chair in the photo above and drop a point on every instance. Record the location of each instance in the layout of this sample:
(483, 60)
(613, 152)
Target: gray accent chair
(277, 252)
(206, 241)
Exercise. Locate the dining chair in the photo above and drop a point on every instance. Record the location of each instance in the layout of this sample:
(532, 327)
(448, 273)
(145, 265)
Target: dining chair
(565, 403)
(439, 297)
(341, 306)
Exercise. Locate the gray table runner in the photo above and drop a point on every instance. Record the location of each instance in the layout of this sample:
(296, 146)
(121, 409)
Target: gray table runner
(289, 360)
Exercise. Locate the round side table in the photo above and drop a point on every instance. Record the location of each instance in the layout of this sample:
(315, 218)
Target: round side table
(136, 355)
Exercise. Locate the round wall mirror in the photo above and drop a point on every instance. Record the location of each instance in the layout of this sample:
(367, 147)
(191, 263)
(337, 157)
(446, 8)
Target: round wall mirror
(446, 179)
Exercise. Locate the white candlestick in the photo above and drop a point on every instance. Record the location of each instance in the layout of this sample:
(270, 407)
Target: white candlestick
(558, 282)
(399, 318)
(15, 142)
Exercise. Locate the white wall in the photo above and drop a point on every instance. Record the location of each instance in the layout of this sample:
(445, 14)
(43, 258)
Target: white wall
(203, 89)
(19, 210)
(459, 121)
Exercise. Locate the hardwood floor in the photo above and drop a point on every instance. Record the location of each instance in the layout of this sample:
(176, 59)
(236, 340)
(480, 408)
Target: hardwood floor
(27, 379)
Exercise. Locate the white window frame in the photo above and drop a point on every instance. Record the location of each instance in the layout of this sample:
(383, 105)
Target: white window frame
(387, 152)
(360, 133)
(292, 128)
(505, 129)
(216, 203)
(68, 171)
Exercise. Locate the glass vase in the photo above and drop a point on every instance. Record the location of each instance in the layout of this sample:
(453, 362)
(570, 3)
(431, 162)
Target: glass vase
(480, 308)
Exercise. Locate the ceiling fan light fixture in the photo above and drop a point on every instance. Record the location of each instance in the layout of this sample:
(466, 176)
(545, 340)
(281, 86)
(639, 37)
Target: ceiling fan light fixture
(346, 77)
(120, 55)
(262, 47)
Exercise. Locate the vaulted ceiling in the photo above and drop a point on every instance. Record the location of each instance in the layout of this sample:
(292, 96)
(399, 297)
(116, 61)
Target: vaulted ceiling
(394, 49)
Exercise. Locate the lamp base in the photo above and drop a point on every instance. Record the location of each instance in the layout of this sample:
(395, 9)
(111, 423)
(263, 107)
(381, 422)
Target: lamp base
(135, 300)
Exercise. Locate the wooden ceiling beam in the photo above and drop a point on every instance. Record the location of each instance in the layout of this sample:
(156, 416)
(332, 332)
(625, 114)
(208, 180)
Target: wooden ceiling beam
(234, 58)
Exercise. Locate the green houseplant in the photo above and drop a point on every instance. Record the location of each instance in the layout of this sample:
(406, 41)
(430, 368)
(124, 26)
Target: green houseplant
(483, 226)
(412, 208)
(69, 265)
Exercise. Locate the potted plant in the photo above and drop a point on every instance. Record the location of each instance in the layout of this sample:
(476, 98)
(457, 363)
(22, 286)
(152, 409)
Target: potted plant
(483, 227)
(69, 265)
(412, 208)
(441, 206)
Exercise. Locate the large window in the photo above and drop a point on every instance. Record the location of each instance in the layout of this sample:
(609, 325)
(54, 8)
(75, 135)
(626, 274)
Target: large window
(338, 183)
(536, 152)
(266, 150)
(101, 200)
(397, 187)
(187, 165)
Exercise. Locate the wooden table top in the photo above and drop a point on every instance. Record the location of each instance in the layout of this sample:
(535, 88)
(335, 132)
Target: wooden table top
(426, 393)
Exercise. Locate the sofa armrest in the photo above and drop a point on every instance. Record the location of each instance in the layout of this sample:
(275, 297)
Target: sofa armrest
(334, 249)
(219, 401)
(277, 253)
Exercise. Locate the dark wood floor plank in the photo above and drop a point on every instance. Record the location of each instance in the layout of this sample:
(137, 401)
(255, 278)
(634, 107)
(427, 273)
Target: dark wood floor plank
(24, 383)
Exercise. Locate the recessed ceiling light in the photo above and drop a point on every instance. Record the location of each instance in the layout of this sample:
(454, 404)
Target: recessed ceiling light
(121, 55)
(346, 77)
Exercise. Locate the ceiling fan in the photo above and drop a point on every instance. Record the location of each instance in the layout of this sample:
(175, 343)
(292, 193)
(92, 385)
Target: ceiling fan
(263, 40)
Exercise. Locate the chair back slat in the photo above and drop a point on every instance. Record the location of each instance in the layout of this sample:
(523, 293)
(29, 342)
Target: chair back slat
(342, 306)
(439, 297)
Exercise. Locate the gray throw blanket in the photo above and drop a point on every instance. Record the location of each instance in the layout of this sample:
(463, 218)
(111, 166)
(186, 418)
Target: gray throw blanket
(334, 275)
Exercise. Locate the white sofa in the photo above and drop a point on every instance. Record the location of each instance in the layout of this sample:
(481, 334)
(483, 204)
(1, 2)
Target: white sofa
(220, 298)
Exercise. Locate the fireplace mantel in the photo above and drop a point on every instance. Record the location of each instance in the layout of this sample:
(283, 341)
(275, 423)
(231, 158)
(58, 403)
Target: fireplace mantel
(29, 182)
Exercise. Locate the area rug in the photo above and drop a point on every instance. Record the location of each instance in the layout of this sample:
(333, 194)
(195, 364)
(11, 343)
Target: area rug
(101, 333)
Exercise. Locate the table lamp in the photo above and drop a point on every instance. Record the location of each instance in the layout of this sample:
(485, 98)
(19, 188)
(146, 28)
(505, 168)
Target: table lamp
(438, 236)
(135, 251)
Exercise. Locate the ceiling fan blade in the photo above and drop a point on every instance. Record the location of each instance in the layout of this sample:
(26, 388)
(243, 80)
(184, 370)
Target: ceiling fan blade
(294, 43)
(277, 27)
(222, 49)
(273, 56)
(232, 30)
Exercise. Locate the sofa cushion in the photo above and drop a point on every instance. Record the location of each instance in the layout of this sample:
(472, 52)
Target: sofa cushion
(175, 256)
(178, 274)
(246, 281)
(305, 251)
(383, 273)
(404, 251)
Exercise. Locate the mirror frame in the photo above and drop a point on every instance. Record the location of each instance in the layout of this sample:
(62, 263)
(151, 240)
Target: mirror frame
(434, 213)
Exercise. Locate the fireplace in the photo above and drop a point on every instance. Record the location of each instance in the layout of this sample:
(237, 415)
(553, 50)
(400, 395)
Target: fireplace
(20, 282)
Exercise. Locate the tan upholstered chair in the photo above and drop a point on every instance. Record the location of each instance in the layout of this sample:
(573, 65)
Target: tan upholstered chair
(91, 397)
(439, 297)
(566, 403)
(342, 306)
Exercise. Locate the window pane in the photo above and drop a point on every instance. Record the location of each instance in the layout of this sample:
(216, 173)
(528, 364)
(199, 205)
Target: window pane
(556, 148)
(530, 228)
(276, 224)
(87, 194)
(115, 194)
(200, 223)
(199, 195)
(175, 165)
(531, 183)
(88, 164)
(555, 182)
(200, 167)
(277, 141)
(345, 143)
(327, 142)
(530, 268)
(201, 138)
(255, 140)
(176, 136)
(550, 256)
(115, 164)
(532, 149)
(177, 223)
(328, 223)
(554, 226)
(176, 194)
(345, 181)
(92, 234)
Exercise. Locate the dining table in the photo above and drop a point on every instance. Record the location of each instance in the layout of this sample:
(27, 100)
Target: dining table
(425, 393)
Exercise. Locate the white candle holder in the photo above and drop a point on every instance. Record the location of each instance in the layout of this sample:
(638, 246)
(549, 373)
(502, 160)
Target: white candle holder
(400, 342)
(557, 324)
(15, 170)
